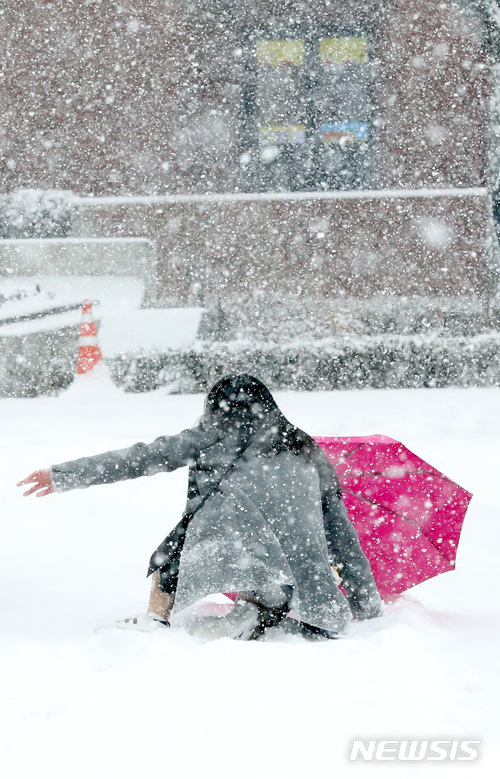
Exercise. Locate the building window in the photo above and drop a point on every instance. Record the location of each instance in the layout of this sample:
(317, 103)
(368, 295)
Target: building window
(308, 111)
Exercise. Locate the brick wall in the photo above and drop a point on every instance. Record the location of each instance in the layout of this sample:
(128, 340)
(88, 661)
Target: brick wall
(145, 96)
(360, 245)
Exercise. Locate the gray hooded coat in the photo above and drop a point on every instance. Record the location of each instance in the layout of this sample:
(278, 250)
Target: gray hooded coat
(276, 518)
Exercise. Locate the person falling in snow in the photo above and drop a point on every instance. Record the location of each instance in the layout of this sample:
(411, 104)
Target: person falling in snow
(264, 517)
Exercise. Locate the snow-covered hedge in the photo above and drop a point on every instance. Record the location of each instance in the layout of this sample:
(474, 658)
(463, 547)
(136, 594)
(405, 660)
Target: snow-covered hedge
(44, 364)
(36, 213)
(382, 362)
(37, 364)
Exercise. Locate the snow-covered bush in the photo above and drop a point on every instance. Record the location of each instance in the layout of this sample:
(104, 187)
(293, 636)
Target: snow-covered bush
(38, 363)
(376, 361)
(45, 365)
(442, 345)
(36, 213)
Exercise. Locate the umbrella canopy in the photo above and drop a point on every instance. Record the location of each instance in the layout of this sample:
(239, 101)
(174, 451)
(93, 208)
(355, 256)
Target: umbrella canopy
(407, 514)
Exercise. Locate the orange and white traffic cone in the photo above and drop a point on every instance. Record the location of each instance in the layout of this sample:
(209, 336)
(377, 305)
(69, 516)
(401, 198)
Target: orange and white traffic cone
(89, 353)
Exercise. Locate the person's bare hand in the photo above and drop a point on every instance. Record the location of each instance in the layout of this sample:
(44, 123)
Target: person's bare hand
(42, 483)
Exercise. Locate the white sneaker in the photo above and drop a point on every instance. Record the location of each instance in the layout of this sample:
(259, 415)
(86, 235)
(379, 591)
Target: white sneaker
(239, 623)
(146, 623)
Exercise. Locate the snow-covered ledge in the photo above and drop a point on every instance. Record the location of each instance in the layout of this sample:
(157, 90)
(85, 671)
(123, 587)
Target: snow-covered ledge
(135, 257)
(250, 197)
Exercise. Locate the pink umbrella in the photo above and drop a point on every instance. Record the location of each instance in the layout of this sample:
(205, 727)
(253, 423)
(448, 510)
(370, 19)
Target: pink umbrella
(407, 514)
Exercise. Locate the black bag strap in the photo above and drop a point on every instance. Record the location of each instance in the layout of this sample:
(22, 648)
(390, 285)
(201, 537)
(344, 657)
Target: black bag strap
(217, 485)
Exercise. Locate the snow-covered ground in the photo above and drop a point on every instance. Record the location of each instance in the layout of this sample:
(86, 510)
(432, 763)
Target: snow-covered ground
(87, 705)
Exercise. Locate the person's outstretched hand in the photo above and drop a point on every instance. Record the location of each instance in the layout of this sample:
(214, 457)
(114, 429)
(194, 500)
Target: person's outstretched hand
(41, 481)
